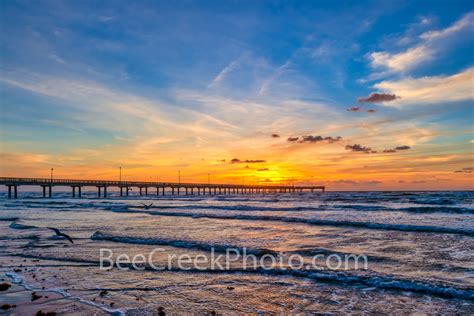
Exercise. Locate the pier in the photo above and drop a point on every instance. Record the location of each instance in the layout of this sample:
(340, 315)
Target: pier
(146, 188)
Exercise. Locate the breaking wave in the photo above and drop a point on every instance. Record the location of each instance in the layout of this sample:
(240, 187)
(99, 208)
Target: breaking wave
(177, 243)
(323, 222)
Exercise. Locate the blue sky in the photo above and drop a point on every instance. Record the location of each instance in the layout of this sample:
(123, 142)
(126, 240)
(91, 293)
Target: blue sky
(157, 85)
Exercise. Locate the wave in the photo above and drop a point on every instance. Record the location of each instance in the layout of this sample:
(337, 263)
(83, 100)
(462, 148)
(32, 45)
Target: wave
(178, 243)
(352, 207)
(8, 219)
(16, 225)
(28, 237)
(378, 281)
(324, 222)
(437, 209)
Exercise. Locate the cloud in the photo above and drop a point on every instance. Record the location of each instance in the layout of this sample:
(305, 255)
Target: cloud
(317, 138)
(394, 150)
(235, 160)
(359, 148)
(378, 97)
(353, 109)
(401, 62)
(263, 169)
(465, 170)
(466, 22)
(435, 89)
(431, 45)
(275, 136)
(354, 182)
(405, 147)
(224, 72)
(313, 139)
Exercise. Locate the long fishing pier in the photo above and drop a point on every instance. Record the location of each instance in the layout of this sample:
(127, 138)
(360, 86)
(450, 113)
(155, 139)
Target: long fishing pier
(125, 187)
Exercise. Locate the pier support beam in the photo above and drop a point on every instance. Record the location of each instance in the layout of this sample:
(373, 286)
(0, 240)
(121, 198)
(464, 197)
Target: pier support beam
(79, 193)
(15, 191)
(99, 192)
(44, 190)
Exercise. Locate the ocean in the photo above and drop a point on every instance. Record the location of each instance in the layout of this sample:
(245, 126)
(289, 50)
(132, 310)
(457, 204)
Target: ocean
(309, 253)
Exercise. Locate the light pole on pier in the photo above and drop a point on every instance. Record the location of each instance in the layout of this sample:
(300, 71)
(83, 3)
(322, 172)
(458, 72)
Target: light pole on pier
(208, 178)
(120, 174)
(179, 176)
(52, 169)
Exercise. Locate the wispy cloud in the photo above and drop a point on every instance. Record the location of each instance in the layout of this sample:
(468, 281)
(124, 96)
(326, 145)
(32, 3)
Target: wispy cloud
(433, 89)
(432, 43)
(224, 72)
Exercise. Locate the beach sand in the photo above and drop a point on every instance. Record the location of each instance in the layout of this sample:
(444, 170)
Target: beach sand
(20, 301)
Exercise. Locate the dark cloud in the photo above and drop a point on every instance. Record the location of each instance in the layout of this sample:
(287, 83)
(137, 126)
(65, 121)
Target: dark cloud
(314, 139)
(465, 170)
(371, 111)
(378, 97)
(275, 136)
(402, 147)
(394, 150)
(235, 160)
(352, 182)
(221, 160)
(353, 109)
(359, 148)
(263, 169)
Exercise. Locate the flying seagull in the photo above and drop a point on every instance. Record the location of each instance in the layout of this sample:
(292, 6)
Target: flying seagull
(59, 233)
(147, 207)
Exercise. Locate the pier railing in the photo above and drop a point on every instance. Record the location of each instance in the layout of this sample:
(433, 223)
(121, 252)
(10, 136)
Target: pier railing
(217, 188)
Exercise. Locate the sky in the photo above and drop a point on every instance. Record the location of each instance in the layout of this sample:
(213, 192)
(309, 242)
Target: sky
(353, 95)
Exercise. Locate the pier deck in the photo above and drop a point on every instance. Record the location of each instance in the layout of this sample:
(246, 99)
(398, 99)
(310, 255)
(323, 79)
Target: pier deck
(174, 188)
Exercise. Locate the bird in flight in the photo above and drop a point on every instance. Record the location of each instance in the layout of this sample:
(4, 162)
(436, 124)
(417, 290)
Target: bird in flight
(147, 207)
(59, 233)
